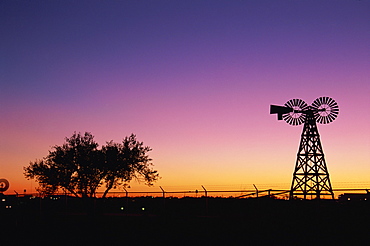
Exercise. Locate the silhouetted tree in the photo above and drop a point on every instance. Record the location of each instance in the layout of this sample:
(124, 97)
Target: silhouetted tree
(78, 166)
(126, 161)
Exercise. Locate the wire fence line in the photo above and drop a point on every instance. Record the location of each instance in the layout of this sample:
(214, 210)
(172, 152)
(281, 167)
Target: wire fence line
(279, 190)
(204, 192)
(225, 193)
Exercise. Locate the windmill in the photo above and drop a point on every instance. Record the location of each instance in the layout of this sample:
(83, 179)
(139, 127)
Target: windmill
(311, 176)
(4, 185)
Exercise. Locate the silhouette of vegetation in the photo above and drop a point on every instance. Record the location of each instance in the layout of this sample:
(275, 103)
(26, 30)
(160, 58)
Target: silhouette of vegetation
(79, 167)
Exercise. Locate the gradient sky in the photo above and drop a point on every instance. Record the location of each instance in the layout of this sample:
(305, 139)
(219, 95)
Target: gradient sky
(192, 79)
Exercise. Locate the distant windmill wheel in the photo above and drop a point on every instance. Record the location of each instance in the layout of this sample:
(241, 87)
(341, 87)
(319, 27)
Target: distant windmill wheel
(4, 185)
(326, 110)
(295, 117)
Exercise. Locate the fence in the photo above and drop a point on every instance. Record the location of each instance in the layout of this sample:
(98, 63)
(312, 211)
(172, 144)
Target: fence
(204, 192)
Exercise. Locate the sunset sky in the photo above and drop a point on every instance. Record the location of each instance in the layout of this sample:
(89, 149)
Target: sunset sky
(193, 80)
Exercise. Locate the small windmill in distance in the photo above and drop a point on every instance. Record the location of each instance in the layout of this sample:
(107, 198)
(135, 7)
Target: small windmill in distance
(4, 185)
(311, 176)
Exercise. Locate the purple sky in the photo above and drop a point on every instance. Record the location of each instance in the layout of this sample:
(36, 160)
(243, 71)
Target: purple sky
(193, 79)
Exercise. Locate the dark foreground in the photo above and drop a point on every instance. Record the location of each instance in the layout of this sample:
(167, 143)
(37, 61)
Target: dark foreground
(188, 221)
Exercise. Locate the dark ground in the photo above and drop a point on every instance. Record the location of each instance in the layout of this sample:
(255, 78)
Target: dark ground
(186, 221)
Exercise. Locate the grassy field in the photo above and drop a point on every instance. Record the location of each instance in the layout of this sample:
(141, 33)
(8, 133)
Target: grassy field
(187, 221)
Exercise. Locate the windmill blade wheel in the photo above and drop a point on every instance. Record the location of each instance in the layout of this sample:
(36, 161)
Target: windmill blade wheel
(326, 110)
(4, 185)
(295, 118)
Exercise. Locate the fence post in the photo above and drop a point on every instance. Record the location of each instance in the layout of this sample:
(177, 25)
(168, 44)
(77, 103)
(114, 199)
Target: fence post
(206, 195)
(163, 192)
(164, 197)
(205, 191)
(126, 199)
(256, 190)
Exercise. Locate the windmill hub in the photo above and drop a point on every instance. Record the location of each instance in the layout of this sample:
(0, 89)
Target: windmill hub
(311, 176)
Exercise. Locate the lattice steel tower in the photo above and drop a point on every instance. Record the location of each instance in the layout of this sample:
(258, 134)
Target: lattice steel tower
(311, 176)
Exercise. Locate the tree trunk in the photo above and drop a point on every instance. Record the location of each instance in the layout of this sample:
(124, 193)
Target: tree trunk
(73, 192)
(110, 186)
